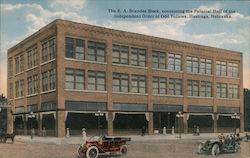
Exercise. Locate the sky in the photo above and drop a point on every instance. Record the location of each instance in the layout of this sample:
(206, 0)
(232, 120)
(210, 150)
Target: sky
(21, 18)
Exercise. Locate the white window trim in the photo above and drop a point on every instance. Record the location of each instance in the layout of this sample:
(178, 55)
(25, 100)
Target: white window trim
(49, 91)
(46, 62)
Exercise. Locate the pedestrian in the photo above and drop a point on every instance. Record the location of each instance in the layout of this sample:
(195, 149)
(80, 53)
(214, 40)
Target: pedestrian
(84, 134)
(32, 133)
(143, 130)
(194, 130)
(198, 131)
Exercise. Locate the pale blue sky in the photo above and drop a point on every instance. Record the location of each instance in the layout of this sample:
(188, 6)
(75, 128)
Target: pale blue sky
(20, 18)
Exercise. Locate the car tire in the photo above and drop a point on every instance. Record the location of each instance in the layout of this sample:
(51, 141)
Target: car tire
(215, 150)
(92, 152)
(123, 150)
(237, 148)
(80, 154)
(200, 151)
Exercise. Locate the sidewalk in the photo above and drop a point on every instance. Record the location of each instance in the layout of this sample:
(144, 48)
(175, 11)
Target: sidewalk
(134, 138)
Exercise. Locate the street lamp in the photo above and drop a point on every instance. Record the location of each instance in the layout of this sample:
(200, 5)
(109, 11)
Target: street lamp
(235, 116)
(179, 115)
(31, 116)
(98, 114)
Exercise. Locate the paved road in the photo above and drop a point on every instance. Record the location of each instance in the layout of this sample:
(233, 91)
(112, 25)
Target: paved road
(140, 149)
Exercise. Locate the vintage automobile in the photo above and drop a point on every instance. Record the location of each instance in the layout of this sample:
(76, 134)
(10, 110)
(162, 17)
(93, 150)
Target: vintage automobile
(95, 146)
(228, 144)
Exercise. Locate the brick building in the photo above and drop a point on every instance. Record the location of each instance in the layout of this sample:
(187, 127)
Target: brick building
(75, 76)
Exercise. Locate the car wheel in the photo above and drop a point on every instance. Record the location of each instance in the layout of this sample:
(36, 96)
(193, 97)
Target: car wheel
(123, 150)
(80, 151)
(236, 147)
(215, 150)
(92, 152)
(200, 151)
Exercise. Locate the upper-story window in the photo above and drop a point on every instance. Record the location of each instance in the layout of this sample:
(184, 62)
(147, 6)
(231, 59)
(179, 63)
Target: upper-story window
(19, 63)
(96, 51)
(29, 57)
(45, 81)
(233, 91)
(175, 86)
(10, 67)
(10, 90)
(206, 66)
(48, 50)
(138, 57)
(221, 90)
(120, 54)
(30, 85)
(120, 82)
(36, 84)
(221, 68)
(206, 89)
(138, 84)
(193, 88)
(32, 57)
(233, 70)
(74, 48)
(96, 80)
(159, 85)
(17, 94)
(192, 64)
(159, 60)
(174, 62)
(74, 79)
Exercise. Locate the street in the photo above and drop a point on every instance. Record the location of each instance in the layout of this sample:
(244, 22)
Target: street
(137, 149)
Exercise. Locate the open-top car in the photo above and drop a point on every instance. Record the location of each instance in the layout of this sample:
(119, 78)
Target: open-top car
(228, 144)
(95, 146)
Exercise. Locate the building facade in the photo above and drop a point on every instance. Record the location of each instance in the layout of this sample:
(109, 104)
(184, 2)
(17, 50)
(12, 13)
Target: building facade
(247, 109)
(72, 75)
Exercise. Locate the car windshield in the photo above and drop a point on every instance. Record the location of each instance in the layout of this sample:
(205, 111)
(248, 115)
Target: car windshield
(94, 138)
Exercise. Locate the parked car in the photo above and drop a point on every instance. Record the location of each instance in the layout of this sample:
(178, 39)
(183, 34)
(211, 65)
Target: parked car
(96, 146)
(228, 144)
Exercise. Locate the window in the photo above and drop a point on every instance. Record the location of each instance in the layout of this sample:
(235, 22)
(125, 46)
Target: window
(138, 84)
(206, 66)
(159, 85)
(49, 50)
(192, 64)
(138, 57)
(233, 91)
(159, 60)
(74, 79)
(193, 88)
(52, 49)
(36, 84)
(32, 108)
(29, 57)
(96, 80)
(206, 89)
(233, 70)
(45, 81)
(44, 52)
(11, 90)
(174, 62)
(221, 90)
(29, 80)
(10, 67)
(21, 63)
(221, 68)
(120, 82)
(120, 54)
(96, 51)
(17, 88)
(52, 79)
(22, 88)
(74, 48)
(17, 64)
(35, 56)
(175, 86)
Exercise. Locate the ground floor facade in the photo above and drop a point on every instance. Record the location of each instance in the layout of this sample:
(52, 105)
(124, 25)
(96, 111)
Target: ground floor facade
(126, 118)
